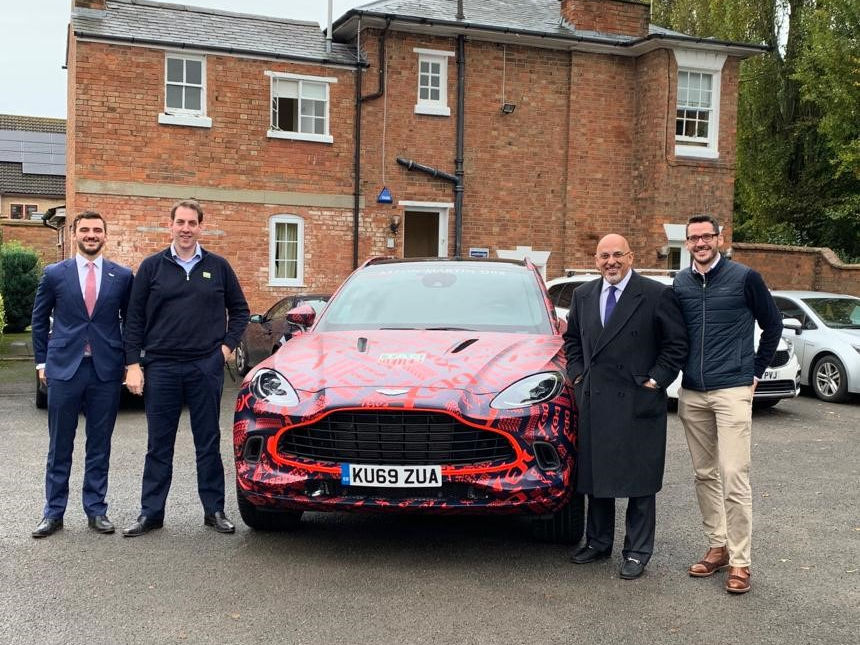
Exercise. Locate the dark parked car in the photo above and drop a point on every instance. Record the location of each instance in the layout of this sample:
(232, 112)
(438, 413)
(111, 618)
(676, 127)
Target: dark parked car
(267, 332)
(425, 386)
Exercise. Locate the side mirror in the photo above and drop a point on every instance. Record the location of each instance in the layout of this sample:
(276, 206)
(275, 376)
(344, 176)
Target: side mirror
(792, 323)
(256, 318)
(302, 316)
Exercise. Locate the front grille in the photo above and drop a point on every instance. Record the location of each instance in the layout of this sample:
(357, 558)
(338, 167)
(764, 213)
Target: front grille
(776, 387)
(394, 438)
(780, 358)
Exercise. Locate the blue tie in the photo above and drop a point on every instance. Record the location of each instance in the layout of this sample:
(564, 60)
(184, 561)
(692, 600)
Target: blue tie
(610, 305)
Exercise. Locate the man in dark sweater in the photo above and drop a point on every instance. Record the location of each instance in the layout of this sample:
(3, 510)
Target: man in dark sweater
(721, 301)
(186, 315)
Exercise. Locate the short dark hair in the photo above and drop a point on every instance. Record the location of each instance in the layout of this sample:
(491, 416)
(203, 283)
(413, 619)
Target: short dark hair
(87, 215)
(697, 219)
(193, 204)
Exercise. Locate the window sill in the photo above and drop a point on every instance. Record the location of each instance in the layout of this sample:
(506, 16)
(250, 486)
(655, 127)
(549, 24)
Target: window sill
(185, 119)
(696, 152)
(300, 136)
(286, 283)
(433, 110)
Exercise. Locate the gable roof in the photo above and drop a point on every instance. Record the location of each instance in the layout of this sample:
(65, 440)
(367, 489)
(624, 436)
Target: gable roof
(32, 123)
(180, 26)
(13, 181)
(32, 155)
(528, 22)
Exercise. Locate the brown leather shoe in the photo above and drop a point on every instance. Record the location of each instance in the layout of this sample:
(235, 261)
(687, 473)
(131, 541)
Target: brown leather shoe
(715, 559)
(738, 580)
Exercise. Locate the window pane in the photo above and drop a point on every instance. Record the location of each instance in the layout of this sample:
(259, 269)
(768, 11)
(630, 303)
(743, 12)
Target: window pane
(286, 89)
(424, 94)
(174, 96)
(287, 114)
(174, 70)
(434, 95)
(702, 128)
(313, 91)
(424, 67)
(192, 98)
(435, 68)
(424, 80)
(193, 72)
(319, 126)
(434, 81)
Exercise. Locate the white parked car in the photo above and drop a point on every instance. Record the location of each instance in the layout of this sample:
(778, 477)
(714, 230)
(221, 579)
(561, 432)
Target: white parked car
(824, 329)
(780, 381)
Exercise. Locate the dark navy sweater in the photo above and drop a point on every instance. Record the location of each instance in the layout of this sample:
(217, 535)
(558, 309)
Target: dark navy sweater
(178, 316)
(719, 309)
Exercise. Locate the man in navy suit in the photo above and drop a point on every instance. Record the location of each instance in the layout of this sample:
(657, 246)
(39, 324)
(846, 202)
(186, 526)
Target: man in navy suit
(80, 358)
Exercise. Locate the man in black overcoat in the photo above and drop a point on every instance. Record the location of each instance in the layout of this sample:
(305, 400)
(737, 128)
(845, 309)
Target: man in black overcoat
(625, 343)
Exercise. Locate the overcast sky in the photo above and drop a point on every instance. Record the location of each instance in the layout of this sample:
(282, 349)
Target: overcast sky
(33, 45)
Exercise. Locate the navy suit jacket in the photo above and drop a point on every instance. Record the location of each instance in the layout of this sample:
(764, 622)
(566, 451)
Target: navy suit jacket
(61, 346)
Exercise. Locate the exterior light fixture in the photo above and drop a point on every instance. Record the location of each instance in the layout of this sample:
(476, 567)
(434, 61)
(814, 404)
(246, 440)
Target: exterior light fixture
(394, 225)
(508, 108)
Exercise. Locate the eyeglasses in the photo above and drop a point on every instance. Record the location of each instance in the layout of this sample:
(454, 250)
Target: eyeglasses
(706, 238)
(603, 257)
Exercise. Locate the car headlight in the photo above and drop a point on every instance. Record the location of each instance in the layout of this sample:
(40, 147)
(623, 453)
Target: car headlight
(273, 387)
(790, 346)
(536, 388)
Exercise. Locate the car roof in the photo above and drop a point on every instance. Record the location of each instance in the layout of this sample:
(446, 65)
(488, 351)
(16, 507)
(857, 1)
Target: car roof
(809, 294)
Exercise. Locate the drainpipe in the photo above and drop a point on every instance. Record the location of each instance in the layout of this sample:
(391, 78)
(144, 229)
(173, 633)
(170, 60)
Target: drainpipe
(433, 172)
(359, 100)
(458, 161)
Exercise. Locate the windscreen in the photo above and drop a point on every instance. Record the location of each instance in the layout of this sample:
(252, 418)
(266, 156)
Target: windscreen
(839, 313)
(479, 297)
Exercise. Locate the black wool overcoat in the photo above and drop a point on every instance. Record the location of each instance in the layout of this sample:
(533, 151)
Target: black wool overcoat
(622, 424)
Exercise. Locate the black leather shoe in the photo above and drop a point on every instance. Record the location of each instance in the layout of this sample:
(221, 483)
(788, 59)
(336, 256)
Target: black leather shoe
(48, 526)
(219, 522)
(632, 568)
(143, 525)
(589, 554)
(100, 523)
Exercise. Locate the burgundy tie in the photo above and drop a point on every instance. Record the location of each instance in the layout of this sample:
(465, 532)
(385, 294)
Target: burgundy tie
(90, 288)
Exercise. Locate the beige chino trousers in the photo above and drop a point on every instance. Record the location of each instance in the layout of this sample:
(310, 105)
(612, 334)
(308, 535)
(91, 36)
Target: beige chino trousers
(718, 425)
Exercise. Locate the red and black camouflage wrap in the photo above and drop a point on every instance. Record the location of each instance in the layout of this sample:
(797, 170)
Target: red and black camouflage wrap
(456, 373)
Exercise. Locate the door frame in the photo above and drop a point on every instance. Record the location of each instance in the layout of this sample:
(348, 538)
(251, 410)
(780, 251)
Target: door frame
(441, 209)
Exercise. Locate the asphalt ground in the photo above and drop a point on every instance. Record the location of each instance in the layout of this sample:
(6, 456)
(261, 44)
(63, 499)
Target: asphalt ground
(394, 579)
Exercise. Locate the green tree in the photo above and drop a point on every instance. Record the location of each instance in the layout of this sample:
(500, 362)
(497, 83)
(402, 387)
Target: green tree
(21, 270)
(797, 179)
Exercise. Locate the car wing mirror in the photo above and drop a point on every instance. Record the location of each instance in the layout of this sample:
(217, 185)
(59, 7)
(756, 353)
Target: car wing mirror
(792, 323)
(302, 316)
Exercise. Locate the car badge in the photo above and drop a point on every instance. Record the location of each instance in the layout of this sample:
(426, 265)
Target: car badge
(390, 392)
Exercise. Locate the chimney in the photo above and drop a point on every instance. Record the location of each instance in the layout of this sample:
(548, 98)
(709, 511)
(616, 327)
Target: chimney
(96, 5)
(621, 17)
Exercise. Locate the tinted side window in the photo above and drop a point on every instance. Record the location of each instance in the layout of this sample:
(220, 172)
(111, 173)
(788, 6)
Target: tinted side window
(789, 309)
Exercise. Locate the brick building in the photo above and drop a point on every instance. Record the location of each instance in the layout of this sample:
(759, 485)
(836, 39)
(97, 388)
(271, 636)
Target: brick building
(431, 127)
(32, 180)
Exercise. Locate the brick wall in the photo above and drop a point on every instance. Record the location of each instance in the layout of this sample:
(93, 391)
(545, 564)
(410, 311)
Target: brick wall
(35, 235)
(797, 267)
(589, 150)
(607, 16)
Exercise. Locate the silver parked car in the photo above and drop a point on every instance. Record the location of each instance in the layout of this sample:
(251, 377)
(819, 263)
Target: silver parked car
(824, 329)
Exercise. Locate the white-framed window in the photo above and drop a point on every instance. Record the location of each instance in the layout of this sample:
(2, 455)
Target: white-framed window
(286, 251)
(185, 91)
(300, 107)
(432, 82)
(697, 116)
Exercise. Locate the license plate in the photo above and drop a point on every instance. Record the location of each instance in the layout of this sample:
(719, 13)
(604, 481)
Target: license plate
(391, 476)
(769, 375)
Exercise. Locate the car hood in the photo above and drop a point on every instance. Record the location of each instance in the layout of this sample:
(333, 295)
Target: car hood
(480, 362)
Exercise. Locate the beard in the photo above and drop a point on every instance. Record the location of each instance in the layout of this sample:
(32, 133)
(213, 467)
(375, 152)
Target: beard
(82, 247)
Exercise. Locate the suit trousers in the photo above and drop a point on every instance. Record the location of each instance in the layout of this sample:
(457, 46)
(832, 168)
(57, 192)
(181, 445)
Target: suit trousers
(99, 400)
(718, 425)
(640, 524)
(170, 385)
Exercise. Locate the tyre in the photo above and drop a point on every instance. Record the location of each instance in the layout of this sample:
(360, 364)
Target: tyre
(242, 366)
(764, 404)
(564, 526)
(828, 380)
(263, 520)
(41, 394)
